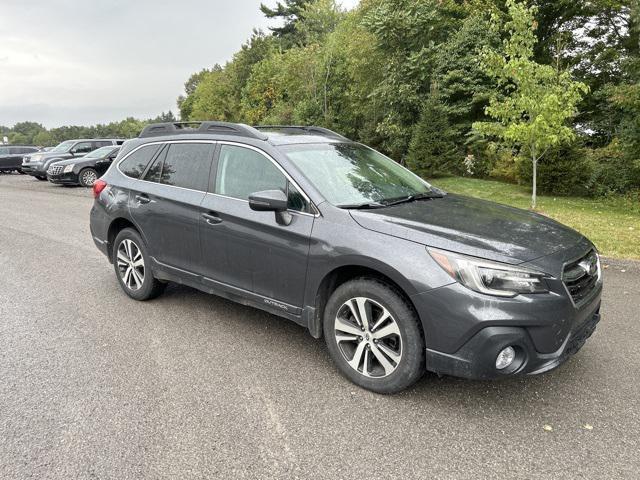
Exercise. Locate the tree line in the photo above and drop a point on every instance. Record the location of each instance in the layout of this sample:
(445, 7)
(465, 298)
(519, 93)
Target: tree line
(33, 133)
(488, 88)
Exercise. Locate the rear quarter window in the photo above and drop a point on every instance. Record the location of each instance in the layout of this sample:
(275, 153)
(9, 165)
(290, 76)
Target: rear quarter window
(137, 161)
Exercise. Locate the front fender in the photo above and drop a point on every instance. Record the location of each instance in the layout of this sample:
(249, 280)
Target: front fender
(51, 161)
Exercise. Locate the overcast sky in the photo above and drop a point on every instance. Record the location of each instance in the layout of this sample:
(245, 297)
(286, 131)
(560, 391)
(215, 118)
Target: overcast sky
(83, 62)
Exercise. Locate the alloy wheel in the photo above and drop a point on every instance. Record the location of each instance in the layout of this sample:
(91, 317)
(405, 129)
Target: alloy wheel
(131, 264)
(368, 337)
(89, 177)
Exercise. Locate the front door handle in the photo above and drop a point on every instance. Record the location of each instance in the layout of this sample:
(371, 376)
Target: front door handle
(142, 198)
(211, 219)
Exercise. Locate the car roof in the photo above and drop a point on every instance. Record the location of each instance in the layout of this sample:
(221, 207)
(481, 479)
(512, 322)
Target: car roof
(94, 140)
(274, 134)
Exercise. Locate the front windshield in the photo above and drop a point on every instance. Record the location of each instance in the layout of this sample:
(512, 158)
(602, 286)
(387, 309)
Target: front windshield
(100, 152)
(352, 174)
(63, 147)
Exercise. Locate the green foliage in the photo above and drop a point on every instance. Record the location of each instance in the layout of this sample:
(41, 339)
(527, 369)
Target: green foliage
(536, 100)
(413, 78)
(290, 14)
(565, 170)
(30, 133)
(615, 171)
(433, 149)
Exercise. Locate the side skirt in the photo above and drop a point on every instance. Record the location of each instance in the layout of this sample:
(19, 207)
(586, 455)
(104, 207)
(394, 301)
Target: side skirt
(183, 277)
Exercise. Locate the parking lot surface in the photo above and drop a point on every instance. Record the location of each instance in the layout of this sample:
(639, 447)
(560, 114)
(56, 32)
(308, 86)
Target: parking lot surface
(95, 385)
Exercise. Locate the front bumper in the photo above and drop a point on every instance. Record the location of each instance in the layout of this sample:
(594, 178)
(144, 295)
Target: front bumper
(34, 169)
(64, 178)
(476, 359)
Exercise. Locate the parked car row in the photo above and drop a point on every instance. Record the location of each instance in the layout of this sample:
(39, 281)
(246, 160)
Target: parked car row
(73, 162)
(11, 156)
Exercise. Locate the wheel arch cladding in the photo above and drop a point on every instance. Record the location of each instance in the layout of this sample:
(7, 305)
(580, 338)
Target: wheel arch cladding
(115, 227)
(344, 273)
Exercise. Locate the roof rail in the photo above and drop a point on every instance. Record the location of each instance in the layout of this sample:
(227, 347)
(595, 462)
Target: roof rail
(317, 130)
(181, 128)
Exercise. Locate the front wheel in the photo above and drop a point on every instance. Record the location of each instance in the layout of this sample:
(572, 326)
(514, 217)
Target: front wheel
(42, 179)
(373, 336)
(88, 177)
(132, 266)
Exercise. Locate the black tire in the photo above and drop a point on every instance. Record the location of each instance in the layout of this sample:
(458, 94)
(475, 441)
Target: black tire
(87, 172)
(411, 365)
(150, 287)
(20, 171)
(42, 179)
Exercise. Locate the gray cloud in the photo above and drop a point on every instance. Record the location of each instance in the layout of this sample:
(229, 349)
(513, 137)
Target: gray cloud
(83, 62)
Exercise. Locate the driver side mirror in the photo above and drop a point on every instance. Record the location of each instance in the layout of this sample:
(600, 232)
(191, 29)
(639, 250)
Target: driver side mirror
(268, 201)
(272, 201)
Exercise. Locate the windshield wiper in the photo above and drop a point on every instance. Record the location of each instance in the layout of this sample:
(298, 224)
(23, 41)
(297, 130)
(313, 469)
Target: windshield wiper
(413, 198)
(390, 203)
(362, 206)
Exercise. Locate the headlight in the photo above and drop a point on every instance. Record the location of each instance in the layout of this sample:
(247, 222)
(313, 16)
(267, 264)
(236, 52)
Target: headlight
(488, 277)
(68, 168)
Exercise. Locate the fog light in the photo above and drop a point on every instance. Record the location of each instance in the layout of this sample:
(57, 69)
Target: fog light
(505, 358)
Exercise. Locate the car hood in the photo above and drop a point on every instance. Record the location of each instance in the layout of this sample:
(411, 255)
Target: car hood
(40, 156)
(74, 160)
(472, 227)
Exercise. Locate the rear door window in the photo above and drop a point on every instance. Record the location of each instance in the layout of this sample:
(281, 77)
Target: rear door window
(186, 165)
(137, 162)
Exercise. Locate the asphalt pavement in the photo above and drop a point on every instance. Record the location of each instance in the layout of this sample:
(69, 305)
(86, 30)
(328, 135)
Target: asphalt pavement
(94, 385)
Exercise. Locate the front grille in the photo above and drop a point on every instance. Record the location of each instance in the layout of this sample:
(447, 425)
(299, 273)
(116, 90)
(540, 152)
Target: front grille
(55, 170)
(581, 277)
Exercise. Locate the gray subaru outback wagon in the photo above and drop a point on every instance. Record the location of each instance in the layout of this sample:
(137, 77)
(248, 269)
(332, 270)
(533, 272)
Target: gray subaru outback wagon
(398, 276)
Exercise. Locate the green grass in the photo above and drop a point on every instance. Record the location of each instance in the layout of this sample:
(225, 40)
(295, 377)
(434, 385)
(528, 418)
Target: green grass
(612, 223)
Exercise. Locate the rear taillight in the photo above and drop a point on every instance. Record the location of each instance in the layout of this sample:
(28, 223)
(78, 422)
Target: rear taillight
(98, 186)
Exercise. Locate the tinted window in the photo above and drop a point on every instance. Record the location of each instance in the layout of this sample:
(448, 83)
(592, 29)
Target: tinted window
(187, 165)
(296, 200)
(103, 143)
(15, 150)
(242, 171)
(153, 172)
(82, 147)
(135, 163)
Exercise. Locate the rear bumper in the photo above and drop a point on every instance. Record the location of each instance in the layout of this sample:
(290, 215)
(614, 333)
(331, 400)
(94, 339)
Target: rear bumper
(476, 359)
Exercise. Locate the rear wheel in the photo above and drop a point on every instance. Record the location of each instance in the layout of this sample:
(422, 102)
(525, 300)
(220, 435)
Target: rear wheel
(373, 336)
(42, 179)
(87, 177)
(132, 266)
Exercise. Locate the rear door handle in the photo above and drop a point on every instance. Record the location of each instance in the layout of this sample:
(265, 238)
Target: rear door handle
(211, 218)
(142, 198)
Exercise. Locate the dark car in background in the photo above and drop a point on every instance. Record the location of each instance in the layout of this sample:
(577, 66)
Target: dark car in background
(397, 275)
(37, 164)
(11, 156)
(85, 170)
